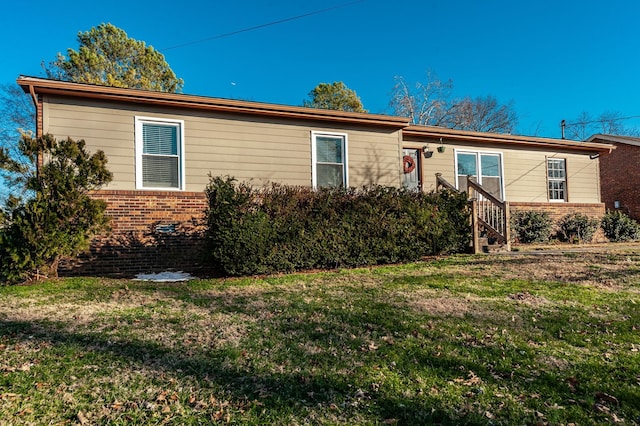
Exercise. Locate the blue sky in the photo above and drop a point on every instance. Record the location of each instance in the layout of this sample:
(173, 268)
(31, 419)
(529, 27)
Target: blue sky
(553, 59)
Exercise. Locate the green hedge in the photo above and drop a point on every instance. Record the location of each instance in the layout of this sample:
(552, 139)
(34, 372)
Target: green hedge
(284, 228)
(617, 226)
(577, 228)
(531, 226)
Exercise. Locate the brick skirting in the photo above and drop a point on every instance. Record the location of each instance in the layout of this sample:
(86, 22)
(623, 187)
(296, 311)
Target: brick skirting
(151, 231)
(558, 210)
(154, 231)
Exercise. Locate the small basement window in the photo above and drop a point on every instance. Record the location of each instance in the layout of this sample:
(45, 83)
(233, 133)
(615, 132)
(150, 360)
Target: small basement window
(166, 229)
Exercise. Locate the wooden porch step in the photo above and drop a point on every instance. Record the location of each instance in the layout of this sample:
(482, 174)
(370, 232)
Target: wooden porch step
(491, 248)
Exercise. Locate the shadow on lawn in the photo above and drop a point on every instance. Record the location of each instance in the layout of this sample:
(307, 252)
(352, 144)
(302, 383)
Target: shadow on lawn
(276, 392)
(229, 369)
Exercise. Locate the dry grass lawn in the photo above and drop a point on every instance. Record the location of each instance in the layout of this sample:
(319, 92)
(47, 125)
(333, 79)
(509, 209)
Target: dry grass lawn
(526, 338)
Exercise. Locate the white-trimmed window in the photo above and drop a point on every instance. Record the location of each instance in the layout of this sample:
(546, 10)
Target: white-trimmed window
(485, 167)
(329, 159)
(159, 153)
(557, 179)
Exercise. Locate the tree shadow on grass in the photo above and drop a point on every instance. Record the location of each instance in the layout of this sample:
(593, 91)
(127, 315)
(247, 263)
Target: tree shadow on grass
(230, 372)
(305, 381)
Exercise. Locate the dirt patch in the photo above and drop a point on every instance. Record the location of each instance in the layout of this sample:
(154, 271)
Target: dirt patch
(526, 298)
(554, 363)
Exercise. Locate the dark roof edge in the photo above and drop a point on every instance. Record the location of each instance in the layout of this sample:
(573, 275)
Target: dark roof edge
(38, 85)
(499, 138)
(92, 91)
(605, 138)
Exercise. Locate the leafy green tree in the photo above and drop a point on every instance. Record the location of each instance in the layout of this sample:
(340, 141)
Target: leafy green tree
(56, 217)
(107, 56)
(336, 96)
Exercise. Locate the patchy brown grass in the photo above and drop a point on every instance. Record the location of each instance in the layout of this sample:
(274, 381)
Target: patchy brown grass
(526, 338)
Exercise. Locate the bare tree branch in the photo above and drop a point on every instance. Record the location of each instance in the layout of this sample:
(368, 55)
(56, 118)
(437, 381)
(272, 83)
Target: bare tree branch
(609, 123)
(430, 103)
(426, 104)
(17, 117)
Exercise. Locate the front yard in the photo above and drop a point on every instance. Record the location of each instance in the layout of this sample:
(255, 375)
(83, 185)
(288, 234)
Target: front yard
(528, 338)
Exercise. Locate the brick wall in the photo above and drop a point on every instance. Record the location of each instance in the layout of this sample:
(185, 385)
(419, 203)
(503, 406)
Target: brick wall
(558, 210)
(151, 231)
(619, 171)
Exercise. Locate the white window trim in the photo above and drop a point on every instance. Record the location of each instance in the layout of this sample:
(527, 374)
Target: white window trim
(314, 155)
(566, 187)
(471, 151)
(139, 121)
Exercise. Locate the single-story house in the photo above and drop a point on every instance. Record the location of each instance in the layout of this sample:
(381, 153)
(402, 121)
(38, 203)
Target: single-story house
(162, 147)
(619, 171)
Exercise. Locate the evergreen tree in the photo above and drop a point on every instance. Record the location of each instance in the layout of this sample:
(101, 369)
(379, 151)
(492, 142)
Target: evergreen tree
(54, 217)
(336, 96)
(107, 56)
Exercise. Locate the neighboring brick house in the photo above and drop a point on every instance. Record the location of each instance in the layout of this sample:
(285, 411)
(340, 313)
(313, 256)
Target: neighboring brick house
(161, 148)
(619, 174)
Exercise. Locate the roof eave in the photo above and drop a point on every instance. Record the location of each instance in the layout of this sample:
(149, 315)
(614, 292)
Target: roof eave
(605, 138)
(88, 91)
(497, 138)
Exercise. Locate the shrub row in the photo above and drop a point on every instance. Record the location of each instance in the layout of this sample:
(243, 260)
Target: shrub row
(284, 228)
(530, 226)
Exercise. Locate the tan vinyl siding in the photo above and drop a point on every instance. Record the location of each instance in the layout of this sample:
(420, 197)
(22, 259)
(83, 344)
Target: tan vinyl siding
(525, 171)
(440, 162)
(102, 129)
(582, 177)
(252, 149)
(525, 175)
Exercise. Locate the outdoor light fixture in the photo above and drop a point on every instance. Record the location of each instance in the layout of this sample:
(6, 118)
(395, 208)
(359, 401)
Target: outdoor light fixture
(616, 204)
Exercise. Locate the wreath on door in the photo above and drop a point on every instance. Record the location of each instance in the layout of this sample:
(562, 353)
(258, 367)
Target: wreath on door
(408, 163)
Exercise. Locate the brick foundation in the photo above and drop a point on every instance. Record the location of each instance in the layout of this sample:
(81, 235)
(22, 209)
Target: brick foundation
(558, 210)
(154, 231)
(151, 231)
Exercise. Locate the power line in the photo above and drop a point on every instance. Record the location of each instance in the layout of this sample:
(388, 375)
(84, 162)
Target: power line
(257, 27)
(581, 123)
